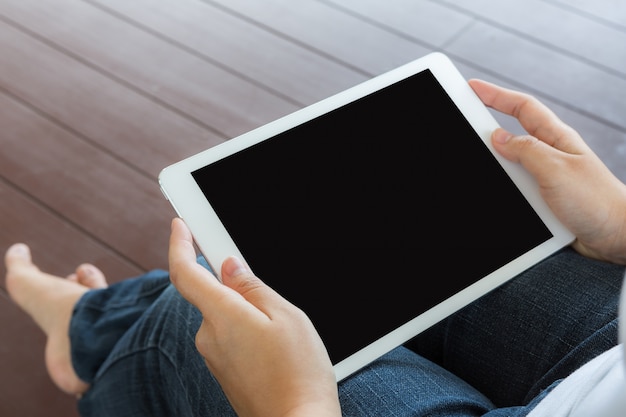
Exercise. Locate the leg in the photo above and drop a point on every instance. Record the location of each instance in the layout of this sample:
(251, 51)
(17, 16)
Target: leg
(101, 318)
(132, 343)
(49, 300)
(403, 383)
(155, 369)
(514, 342)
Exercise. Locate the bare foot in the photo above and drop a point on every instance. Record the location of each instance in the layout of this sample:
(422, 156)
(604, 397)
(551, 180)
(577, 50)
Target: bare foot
(49, 300)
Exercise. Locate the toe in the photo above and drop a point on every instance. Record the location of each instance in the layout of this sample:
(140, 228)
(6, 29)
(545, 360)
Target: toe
(17, 255)
(90, 276)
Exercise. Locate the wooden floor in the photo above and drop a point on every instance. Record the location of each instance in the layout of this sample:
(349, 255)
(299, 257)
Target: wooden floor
(97, 96)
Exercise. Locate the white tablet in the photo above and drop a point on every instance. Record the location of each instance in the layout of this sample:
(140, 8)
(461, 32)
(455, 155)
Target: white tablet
(378, 211)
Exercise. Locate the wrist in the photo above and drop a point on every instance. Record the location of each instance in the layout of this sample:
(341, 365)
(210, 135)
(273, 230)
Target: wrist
(330, 410)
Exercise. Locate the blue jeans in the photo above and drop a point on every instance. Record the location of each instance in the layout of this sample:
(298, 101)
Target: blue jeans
(134, 343)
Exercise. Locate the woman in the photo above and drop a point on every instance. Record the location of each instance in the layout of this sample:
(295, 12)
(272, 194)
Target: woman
(144, 347)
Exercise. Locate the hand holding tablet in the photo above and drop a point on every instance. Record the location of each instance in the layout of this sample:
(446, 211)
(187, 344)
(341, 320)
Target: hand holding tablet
(399, 167)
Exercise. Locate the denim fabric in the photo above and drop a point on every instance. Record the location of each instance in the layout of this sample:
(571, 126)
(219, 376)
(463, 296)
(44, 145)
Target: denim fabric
(135, 343)
(532, 331)
(153, 368)
(102, 317)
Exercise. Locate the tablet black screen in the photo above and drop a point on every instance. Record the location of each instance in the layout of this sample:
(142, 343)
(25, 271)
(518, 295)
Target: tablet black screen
(373, 213)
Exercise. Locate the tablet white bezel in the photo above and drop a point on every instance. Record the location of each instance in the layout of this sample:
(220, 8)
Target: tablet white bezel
(214, 242)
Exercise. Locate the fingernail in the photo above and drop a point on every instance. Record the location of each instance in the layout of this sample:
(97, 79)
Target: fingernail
(501, 136)
(233, 266)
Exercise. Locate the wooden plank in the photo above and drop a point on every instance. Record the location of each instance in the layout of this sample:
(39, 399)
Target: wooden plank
(99, 109)
(88, 188)
(540, 69)
(25, 387)
(431, 24)
(160, 70)
(331, 32)
(576, 34)
(57, 245)
(609, 11)
(252, 52)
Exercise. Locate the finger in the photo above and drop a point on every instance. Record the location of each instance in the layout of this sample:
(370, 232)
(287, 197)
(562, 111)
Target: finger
(539, 158)
(239, 277)
(536, 118)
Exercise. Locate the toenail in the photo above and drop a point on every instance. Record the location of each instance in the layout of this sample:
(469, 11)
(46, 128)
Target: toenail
(19, 249)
